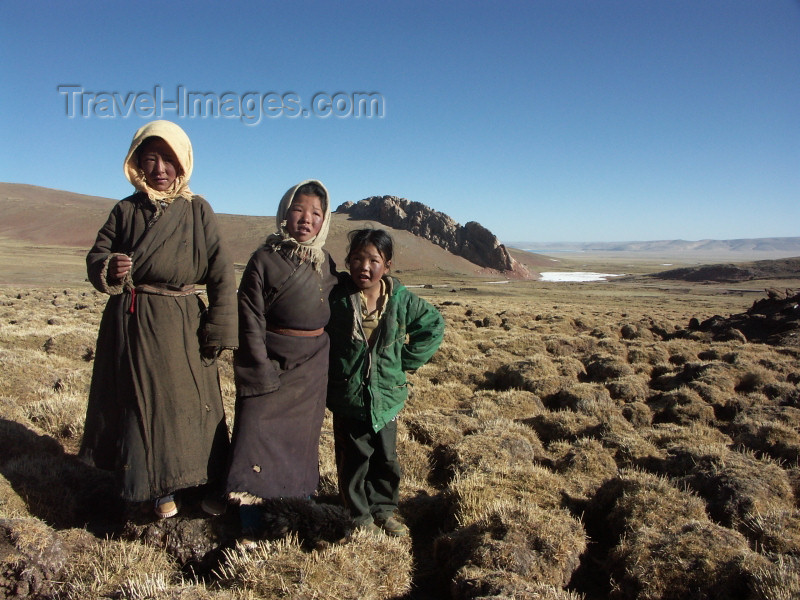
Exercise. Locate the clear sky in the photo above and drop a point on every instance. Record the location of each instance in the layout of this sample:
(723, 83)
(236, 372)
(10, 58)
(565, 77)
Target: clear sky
(544, 120)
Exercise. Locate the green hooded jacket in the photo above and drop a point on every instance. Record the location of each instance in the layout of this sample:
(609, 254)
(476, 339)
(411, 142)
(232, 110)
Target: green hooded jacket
(370, 384)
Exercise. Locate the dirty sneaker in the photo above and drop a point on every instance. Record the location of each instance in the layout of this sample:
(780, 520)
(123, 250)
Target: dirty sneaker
(166, 507)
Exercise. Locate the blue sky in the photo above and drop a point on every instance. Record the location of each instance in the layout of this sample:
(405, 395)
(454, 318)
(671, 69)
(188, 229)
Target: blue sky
(551, 120)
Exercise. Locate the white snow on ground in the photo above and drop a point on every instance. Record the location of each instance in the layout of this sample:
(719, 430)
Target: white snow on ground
(579, 276)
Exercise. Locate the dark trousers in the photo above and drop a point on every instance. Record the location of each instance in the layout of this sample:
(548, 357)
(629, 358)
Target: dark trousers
(369, 473)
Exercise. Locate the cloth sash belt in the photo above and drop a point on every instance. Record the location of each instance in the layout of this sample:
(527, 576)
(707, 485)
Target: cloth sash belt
(159, 289)
(164, 289)
(295, 332)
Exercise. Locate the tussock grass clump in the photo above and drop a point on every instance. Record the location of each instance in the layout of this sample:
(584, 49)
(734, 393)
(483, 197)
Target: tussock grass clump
(470, 495)
(601, 368)
(60, 413)
(779, 580)
(371, 567)
(560, 345)
(774, 532)
(115, 568)
(719, 375)
(474, 583)
(698, 559)
(580, 397)
(540, 545)
(444, 395)
(629, 447)
(585, 465)
(638, 414)
(670, 435)
(537, 374)
(769, 430)
(734, 484)
(683, 406)
(569, 367)
(644, 357)
(562, 425)
(637, 499)
(521, 344)
(508, 404)
(630, 388)
(634, 331)
(434, 428)
(496, 445)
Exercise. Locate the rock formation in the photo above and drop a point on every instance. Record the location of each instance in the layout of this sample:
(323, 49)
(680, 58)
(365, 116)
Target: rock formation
(773, 320)
(471, 241)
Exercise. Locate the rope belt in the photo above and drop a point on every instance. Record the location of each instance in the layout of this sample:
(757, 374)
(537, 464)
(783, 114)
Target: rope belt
(295, 332)
(159, 289)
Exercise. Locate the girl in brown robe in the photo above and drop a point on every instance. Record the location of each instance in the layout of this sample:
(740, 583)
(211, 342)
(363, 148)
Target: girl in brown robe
(155, 413)
(281, 367)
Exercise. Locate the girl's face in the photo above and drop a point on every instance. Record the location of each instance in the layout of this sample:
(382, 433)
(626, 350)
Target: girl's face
(304, 217)
(159, 164)
(367, 266)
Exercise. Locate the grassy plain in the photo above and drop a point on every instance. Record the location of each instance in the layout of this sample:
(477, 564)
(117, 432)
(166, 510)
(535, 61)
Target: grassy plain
(564, 443)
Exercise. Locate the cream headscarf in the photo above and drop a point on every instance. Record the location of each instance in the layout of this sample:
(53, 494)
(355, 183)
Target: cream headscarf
(177, 139)
(312, 249)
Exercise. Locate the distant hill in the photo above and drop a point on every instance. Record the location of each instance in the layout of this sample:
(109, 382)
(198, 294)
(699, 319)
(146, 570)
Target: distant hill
(786, 268)
(777, 247)
(39, 216)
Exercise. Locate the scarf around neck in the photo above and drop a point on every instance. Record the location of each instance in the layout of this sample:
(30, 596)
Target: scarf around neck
(180, 144)
(306, 251)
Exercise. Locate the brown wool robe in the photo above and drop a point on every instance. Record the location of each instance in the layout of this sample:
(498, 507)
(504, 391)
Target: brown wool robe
(155, 412)
(281, 380)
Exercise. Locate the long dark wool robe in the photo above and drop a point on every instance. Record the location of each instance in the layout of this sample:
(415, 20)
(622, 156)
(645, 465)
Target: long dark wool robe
(281, 379)
(155, 412)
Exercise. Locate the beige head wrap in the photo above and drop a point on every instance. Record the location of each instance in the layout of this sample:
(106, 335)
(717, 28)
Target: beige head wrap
(312, 249)
(177, 139)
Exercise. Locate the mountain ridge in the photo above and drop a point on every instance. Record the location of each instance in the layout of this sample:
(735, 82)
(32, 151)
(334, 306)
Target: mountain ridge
(789, 246)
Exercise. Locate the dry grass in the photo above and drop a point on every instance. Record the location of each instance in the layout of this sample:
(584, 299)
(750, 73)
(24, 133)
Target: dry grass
(563, 444)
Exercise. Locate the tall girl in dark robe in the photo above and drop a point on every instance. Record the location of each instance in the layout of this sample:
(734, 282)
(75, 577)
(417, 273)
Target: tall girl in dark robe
(281, 367)
(155, 413)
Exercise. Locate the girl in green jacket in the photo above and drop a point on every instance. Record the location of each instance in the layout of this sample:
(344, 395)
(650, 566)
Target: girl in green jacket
(378, 331)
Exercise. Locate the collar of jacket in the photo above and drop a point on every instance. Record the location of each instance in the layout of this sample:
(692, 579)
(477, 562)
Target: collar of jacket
(392, 285)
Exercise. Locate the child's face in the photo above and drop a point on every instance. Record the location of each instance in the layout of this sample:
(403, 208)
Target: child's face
(304, 217)
(159, 164)
(367, 266)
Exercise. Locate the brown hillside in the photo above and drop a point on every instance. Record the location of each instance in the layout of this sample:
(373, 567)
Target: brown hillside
(36, 217)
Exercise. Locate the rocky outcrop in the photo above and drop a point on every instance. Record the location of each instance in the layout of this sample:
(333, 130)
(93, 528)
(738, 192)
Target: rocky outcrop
(471, 241)
(772, 320)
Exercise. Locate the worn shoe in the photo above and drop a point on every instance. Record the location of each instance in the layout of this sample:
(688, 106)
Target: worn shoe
(166, 507)
(247, 543)
(393, 526)
(213, 505)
